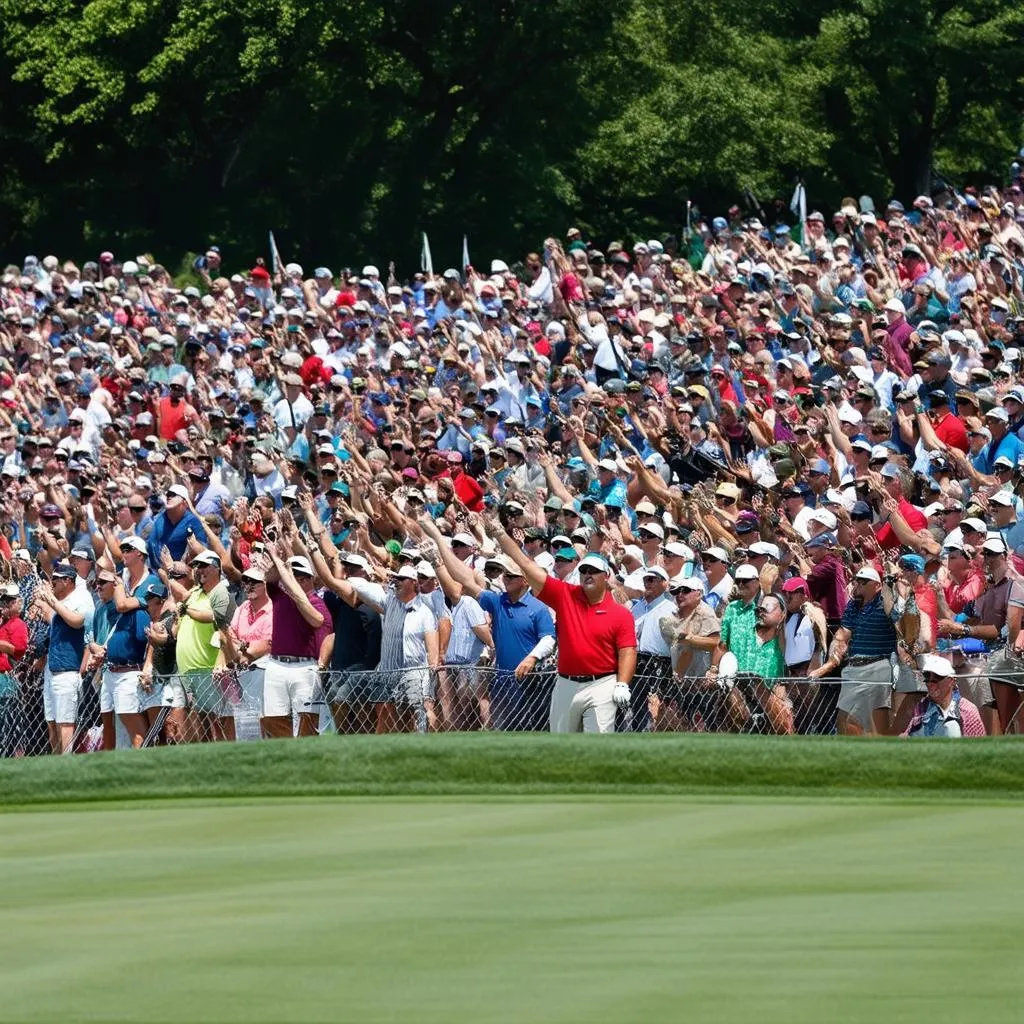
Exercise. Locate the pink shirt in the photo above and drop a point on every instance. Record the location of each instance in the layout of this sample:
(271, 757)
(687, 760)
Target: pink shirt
(253, 625)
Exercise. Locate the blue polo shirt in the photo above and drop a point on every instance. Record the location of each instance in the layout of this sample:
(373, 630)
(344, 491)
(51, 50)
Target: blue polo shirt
(126, 644)
(517, 626)
(872, 631)
(67, 645)
(174, 535)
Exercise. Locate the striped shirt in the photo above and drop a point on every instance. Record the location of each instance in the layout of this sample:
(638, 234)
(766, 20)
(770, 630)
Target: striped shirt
(464, 646)
(403, 629)
(872, 633)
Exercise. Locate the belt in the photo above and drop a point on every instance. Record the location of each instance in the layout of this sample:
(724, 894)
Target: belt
(290, 659)
(866, 659)
(124, 668)
(588, 679)
(655, 657)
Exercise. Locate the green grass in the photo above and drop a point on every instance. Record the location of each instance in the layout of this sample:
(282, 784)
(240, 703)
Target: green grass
(531, 765)
(505, 912)
(515, 880)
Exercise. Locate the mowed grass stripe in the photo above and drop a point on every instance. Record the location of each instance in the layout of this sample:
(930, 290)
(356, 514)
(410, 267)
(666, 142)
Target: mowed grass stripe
(595, 911)
(530, 765)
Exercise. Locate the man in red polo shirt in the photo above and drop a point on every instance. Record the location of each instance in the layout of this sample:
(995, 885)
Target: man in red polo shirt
(948, 428)
(892, 482)
(596, 640)
(467, 490)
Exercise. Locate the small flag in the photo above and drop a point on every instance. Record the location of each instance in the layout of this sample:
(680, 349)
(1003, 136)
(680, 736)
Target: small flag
(426, 263)
(276, 263)
(465, 253)
(798, 204)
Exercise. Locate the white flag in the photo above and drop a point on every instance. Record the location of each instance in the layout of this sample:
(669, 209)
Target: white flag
(465, 253)
(276, 263)
(426, 263)
(798, 204)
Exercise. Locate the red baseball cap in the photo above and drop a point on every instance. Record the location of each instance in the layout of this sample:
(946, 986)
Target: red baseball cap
(795, 583)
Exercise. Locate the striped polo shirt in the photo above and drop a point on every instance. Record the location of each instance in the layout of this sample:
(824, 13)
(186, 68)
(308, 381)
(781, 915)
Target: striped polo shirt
(872, 634)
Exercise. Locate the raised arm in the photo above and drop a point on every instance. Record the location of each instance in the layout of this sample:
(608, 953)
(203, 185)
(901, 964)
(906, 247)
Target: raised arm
(535, 575)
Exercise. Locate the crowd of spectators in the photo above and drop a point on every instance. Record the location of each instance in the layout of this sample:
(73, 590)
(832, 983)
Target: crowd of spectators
(792, 451)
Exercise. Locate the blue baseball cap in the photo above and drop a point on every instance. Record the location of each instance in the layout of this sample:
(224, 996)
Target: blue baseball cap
(915, 562)
(819, 466)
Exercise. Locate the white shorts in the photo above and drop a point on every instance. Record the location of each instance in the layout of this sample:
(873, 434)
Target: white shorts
(170, 690)
(583, 707)
(124, 689)
(251, 682)
(61, 694)
(288, 688)
(106, 693)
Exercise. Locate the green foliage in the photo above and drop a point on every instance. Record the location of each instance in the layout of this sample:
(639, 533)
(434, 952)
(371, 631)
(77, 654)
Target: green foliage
(349, 127)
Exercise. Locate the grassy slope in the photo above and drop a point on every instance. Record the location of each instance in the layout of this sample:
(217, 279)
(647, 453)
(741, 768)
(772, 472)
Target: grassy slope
(521, 764)
(509, 912)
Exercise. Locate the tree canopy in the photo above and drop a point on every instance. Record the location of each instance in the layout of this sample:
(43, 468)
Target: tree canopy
(349, 127)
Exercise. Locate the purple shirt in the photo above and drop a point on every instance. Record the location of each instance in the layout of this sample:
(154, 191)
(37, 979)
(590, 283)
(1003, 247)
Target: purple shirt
(293, 636)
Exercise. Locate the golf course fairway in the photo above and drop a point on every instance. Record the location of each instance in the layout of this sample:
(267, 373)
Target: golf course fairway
(565, 903)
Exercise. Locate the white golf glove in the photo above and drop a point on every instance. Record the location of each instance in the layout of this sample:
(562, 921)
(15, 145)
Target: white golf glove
(621, 695)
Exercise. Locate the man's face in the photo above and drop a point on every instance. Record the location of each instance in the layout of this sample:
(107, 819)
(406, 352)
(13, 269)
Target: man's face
(654, 587)
(593, 581)
(515, 586)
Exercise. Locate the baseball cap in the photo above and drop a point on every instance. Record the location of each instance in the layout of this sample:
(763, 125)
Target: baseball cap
(762, 547)
(64, 570)
(994, 546)
(207, 558)
(867, 573)
(974, 524)
(10, 590)
(597, 562)
(823, 540)
(937, 664)
(301, 565)
(178, 491)
(653, 528)
(915, 562)
(656, 570)
(158, 590)
(135, 543)
(747, 572)
(678, 583)
(407, 572)
(85, 553)
(354, 558)
(720, 554)
(795, 583)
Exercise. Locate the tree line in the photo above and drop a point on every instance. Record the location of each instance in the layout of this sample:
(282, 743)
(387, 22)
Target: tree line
(349, 127)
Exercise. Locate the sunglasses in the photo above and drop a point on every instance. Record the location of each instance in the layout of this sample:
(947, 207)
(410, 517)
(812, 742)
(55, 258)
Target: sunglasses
(589, 570)
(178, 575)
(932, 677)
(725, 500)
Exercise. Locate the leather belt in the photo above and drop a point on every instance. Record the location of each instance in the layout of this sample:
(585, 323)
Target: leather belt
(588, 679)
(866, 659)
(124, 668)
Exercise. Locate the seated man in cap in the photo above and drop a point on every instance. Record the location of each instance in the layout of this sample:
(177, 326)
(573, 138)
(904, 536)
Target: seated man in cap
(943, 712)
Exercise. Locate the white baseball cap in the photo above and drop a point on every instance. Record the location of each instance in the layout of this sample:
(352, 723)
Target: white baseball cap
(718, 553)
(747, 572)
(867, 573)
(655, 570)
(937, 664)
(762, 547)
(687, 583)
(597, 562)
(299, 564)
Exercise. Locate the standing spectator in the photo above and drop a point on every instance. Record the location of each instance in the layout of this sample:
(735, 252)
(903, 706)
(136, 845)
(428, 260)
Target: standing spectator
(206, 611)
(174, 525)
(654, 655)
(159, 673)
(751, 632)
(523, 634)
(300, 622)
(251, 632)
(125, 647)
(869, 637)
(62, 680)
(693, 635)
(13, 644)
(596, 641)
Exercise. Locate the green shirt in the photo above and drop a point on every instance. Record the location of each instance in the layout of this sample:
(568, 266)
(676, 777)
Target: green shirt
(739, 634)
(194, 648)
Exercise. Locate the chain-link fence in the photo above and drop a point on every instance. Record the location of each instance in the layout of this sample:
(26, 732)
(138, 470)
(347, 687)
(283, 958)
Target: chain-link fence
(113, 708)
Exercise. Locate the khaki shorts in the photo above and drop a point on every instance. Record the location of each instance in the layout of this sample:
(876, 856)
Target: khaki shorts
(865, 688)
